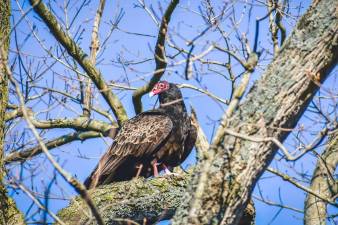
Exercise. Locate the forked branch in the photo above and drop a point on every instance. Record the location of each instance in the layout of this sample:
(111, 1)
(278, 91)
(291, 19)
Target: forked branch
(160, 58)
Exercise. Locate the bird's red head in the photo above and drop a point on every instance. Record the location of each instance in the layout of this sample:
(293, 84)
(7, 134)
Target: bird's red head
(159, 88)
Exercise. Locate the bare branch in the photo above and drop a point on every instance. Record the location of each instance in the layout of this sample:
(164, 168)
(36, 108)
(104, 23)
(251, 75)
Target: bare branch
(13, 114)
(79, 123)
(160, 58)
(78, 54)
(95, 45)
(19, 156)
(272, 4)
(211, 95)
(308, 190)
(37, 202)
(205, 165)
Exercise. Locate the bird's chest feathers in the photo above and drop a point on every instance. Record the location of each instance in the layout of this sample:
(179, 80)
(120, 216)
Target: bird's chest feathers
(172, 151)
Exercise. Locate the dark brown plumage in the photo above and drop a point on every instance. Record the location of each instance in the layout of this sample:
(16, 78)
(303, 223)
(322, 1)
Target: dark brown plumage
(163, 137)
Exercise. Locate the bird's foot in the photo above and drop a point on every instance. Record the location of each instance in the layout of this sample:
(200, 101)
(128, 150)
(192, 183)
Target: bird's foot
(167, 172)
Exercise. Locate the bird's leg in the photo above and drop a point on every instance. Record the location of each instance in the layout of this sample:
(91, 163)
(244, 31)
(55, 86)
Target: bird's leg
(139, 169)
(154, 164)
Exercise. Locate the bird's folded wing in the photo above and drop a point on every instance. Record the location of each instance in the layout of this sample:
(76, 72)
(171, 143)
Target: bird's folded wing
(139, 137)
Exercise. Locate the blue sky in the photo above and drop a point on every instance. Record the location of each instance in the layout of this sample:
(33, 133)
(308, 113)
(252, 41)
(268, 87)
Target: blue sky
(80, 158)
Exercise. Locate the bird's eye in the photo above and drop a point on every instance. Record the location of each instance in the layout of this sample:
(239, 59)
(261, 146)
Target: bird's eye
(161, 85)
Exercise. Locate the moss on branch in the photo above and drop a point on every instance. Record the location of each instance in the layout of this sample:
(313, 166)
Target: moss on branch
(119, 203)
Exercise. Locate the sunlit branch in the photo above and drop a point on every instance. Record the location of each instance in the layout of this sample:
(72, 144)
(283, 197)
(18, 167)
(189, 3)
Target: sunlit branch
(209, 156)
(79, 124)
(202, 144)
(13, 114)
(272, 4)
(277, 204)
(20, 156)
(150, 200)
(95, 45)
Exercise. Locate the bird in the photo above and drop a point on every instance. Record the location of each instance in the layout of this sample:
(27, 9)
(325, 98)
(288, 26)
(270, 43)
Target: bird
(152, 141)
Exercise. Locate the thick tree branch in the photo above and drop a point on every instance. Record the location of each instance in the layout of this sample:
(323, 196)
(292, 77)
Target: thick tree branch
(155, 199)
(202, 144)
(322, 182)
(78, 54)
(278, 99)
(160, 58)
(79, 123)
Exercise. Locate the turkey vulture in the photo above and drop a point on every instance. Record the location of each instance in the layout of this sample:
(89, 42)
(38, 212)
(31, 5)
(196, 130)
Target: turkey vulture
(161, 137)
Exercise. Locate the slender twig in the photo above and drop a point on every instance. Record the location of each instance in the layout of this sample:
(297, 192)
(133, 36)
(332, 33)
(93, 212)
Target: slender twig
(38, 203)
(277, 204)
(308, 190)
(204, 92)
(94, 47)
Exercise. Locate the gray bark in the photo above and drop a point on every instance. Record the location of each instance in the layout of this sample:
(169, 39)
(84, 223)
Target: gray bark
(323, 183)
(138, 200)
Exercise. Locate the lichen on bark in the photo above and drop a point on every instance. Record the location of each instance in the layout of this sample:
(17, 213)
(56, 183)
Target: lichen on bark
(138, 200)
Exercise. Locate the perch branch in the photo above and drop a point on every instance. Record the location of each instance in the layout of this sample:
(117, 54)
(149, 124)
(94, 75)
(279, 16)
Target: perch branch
(138, 200)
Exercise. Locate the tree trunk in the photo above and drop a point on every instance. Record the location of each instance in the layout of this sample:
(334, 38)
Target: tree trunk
(322, 182)
(224, 180)
(9, 214)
